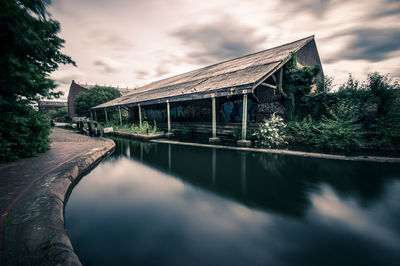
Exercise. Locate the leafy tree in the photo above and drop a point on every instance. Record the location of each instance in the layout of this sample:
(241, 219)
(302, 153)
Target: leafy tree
(30, 51)
(324, 84)
(59, 113)
(96, 95)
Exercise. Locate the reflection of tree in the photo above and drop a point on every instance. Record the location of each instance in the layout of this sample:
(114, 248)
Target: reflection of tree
(275, 182)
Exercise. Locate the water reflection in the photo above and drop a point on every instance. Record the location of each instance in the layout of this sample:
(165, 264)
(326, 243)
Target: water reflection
(162, 204)
(262, 180)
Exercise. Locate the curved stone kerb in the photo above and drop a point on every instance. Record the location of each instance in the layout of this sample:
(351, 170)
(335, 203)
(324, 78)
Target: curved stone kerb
(35, 233)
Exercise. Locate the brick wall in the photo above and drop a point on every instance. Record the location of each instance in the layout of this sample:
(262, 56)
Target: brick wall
(74, 90)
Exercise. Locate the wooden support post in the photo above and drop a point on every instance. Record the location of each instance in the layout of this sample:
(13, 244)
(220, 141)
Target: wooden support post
(91, 114)
(140, 116)
(120, 116)
(243, 141)
(214, 138)
(244, 116)
(95, 115)
(280, 80)
(105, 110)
(169, 133)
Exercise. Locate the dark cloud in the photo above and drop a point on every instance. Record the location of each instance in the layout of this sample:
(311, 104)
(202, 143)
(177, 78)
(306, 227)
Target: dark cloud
(219, 40)
(316, 7)
(368, 44)
(141, 74)
(66, 76)
(111, 40)
(386, 8)
(108, 65)
(162, 70)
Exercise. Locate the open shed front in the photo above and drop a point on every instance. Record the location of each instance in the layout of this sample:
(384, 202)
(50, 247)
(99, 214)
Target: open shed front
(218, 99)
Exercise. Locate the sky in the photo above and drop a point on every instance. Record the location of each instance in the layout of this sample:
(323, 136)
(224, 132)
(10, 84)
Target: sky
(129, 43)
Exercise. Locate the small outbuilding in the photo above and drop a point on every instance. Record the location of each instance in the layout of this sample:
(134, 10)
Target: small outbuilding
(218, 98)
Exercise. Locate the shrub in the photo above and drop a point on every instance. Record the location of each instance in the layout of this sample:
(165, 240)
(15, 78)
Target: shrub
(301, 133)
(271, 132)
(24, 135)
(146, 128)
(386, 130)
(340, 131)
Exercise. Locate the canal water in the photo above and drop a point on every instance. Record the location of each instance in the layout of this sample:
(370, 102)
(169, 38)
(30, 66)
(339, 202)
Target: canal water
(163, 204)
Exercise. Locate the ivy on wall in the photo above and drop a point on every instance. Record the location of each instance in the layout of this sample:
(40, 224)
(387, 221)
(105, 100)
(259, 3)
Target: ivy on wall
(297, 82)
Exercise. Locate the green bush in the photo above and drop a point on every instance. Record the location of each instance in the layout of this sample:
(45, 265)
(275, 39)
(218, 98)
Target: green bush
(24, 135)
(301, 133)
(271, 132)
(386, 130)
(340, 131)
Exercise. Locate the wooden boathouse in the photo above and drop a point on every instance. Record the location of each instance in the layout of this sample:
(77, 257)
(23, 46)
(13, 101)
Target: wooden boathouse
(219, 98)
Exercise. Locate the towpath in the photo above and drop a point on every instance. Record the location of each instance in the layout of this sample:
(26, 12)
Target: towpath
(34, 188)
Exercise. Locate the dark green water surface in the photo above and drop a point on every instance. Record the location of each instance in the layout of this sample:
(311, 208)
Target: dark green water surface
(162, 204)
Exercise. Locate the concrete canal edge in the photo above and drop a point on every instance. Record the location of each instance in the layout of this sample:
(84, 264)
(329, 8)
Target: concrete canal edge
(287, 152)
(35, 233)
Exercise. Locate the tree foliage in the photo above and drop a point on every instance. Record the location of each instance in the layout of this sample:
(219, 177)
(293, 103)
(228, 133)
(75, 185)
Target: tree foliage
(297, 83)
(30, 51)
(96, 95)
(358, 116)
(57, 114)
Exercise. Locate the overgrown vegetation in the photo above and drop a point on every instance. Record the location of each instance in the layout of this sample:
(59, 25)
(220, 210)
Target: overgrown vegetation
(297, 83)
(145, 128)
(358, 116)
(30, 51)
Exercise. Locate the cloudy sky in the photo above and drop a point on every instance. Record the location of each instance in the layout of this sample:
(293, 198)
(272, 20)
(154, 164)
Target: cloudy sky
(129, 43)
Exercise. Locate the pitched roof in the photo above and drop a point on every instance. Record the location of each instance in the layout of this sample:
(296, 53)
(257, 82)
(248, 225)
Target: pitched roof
(222, 79)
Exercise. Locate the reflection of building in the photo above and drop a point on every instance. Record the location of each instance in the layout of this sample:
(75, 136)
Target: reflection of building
(77, 88)
(51, 105)
(220, 97)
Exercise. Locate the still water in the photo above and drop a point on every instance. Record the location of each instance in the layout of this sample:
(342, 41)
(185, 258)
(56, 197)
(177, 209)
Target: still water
(163, 204)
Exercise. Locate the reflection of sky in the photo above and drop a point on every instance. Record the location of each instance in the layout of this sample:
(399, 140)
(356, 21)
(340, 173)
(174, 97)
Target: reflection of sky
(124, 212)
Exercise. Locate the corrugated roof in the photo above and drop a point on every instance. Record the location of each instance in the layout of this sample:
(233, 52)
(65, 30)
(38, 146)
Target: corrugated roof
(226, 78)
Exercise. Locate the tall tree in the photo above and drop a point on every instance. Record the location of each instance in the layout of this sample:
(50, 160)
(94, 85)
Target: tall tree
(29, 52)
(96, 95)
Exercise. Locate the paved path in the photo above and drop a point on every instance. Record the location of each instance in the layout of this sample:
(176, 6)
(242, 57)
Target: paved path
(17, 178)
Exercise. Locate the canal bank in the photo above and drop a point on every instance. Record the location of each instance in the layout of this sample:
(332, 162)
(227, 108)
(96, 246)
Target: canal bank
(364, 158)
(164, 204)
(33, 194)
